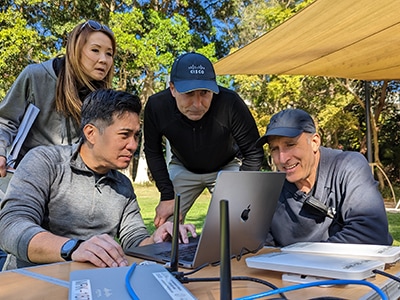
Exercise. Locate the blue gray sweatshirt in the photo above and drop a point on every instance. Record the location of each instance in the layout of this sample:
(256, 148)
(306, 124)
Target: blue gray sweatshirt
(36, 84)
(344, 184)
(53, 190)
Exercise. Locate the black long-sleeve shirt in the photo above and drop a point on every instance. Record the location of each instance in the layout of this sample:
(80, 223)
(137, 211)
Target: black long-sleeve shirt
(227, 130)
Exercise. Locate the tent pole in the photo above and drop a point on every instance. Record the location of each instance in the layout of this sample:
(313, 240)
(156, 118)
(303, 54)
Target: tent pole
(367, 121)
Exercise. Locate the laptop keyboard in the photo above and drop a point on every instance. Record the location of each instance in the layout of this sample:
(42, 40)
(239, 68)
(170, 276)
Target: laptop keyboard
(186, 252)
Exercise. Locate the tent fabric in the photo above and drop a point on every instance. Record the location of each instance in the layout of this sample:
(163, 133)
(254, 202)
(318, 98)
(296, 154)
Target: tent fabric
(358, 39)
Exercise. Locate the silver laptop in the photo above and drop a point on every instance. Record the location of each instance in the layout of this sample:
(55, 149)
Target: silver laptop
(252, 198)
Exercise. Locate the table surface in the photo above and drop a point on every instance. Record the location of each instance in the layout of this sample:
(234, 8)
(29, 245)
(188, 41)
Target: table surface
(53, 279)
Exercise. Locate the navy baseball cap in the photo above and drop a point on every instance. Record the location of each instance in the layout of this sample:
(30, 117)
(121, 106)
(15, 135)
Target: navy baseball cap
(193, 71)
(289, 123)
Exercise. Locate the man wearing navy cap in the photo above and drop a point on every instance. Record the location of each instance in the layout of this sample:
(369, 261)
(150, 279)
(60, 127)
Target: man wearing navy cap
(329, 195)
(209, 128)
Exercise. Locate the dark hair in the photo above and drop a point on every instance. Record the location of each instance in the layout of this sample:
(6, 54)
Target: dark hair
(72, 78)
(102, 105)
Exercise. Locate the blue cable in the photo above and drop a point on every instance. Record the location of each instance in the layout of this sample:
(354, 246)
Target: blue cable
(316, 283)
(128, 286)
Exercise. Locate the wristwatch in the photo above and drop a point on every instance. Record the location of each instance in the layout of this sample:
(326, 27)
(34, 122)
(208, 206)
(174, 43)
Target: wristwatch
(69, 247)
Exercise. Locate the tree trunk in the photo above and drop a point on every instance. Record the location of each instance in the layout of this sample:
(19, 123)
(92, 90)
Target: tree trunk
(375, 132)
(142, 175)
(377, 161)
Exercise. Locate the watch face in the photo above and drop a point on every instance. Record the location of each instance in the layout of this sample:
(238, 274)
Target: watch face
(69, 245)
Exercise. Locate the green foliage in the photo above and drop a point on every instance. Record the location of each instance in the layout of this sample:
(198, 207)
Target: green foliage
(18, 47)
(150, 34)
(148, 42)
(389, 147)
(336, 104)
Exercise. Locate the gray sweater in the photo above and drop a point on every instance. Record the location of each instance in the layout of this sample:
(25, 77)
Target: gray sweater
(54, 191)
(36, 84)
(345, 184)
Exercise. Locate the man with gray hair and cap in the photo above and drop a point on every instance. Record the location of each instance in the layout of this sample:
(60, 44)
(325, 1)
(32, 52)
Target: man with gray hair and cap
(209, 128)
(329, 195)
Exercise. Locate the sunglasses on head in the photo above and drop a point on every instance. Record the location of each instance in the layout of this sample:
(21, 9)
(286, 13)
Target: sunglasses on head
(96, 26)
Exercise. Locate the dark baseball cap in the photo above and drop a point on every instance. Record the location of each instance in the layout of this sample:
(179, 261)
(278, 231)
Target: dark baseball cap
(289, 123)
(193, 71)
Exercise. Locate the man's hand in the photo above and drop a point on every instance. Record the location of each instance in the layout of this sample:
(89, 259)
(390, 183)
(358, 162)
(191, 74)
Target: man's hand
(164, 210)
(102, 251)
(3, 166)
(165, 231)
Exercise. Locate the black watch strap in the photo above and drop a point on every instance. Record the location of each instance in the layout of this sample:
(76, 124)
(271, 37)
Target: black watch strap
(69, 247)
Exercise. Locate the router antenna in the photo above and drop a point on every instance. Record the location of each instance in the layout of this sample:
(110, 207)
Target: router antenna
(225, 268)
(175, 236)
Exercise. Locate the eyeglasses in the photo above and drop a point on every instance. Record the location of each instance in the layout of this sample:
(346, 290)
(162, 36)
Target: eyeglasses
(96, 26)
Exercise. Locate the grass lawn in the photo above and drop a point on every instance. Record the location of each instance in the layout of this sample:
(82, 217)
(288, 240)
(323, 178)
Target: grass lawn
(394, 227)
(148, 197)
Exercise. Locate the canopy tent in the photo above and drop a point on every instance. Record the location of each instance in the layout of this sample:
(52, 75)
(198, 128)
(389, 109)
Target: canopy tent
(357, 39)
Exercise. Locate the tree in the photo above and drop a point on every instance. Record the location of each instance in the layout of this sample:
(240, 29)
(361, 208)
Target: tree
(19, 46)
(150, 34)
(337, 104)
(148, 43)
